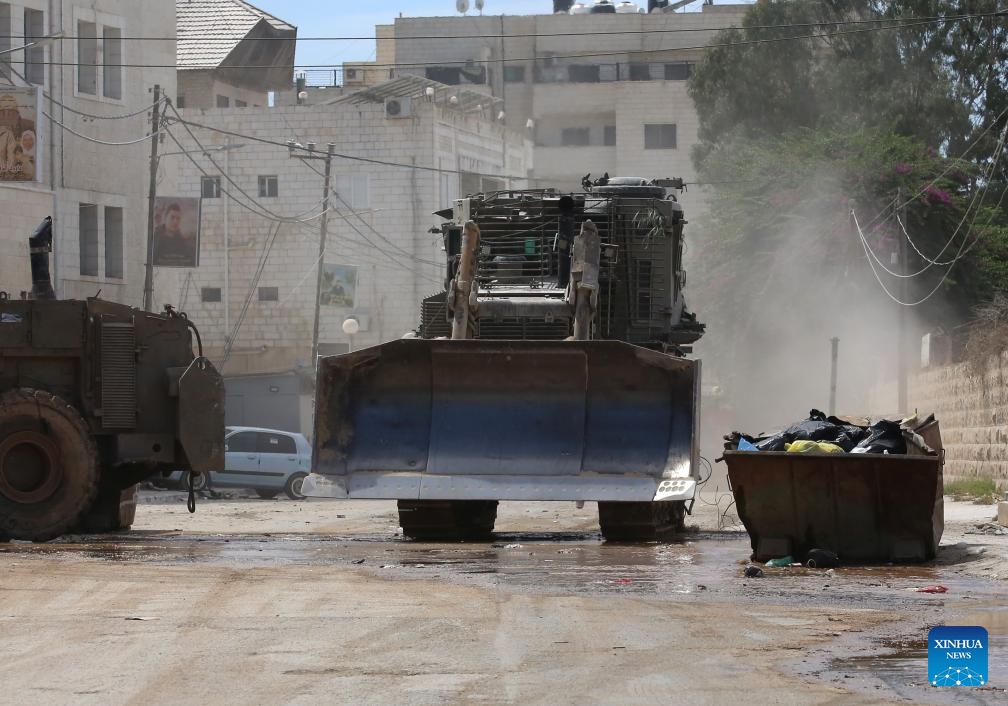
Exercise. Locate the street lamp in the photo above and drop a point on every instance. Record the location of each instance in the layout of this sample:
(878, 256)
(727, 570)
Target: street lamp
(350, 327)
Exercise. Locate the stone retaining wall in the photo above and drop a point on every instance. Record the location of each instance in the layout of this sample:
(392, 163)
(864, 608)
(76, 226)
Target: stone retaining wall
(972, 409)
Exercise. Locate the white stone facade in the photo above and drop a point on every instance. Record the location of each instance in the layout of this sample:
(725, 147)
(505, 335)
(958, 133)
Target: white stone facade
(76, 172)
(635, 77)
(378, 223)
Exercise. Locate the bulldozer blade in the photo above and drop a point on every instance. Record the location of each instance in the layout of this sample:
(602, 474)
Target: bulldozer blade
(505, 420)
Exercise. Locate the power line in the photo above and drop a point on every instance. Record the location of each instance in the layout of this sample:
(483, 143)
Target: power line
(95, 139)
(355, 158)
(367, 225)
(255, 207)
(209, 39)
(582, 55)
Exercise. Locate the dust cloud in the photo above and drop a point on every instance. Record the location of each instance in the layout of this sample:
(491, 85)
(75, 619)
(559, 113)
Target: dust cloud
(767, 351)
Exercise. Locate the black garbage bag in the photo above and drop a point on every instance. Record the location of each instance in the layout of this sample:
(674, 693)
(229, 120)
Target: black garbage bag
(884, 436)
(848, 435)
(815, 428)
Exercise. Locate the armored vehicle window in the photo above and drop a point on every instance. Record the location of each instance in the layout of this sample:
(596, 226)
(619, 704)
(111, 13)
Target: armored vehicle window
(242, 441)
(276, 444)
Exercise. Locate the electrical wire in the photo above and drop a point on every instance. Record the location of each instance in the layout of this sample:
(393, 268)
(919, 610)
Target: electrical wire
(977, 200)
(95, 139)
(367, 225)
(603, 33)
(354, 158)
(583, 55)
(256, 208)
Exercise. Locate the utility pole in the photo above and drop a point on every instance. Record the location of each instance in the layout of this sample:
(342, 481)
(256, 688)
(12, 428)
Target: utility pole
(148, 292)
(901, 326)
(323, 227)
(834, 355)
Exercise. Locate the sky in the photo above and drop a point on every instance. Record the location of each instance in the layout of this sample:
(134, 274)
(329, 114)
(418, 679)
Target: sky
(348, 18)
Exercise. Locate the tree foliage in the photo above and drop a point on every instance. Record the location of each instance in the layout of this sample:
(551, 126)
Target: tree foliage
(800, 130)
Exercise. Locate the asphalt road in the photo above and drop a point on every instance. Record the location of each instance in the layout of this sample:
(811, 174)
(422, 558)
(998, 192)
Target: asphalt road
(253, 601)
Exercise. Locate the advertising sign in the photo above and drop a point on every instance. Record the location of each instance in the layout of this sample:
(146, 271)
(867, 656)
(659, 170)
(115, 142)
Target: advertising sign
(20, 140)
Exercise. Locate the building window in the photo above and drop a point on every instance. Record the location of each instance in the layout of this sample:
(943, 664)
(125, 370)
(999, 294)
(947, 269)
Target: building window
(267, 187)
(113, 242)
(575, 136)
(353, 191)
(677, 72)
(180, 101)
(34, 58)
(640, 72)
(112, 59)
(223, 101)
(660, 136)
(210, 294)
(609, 135)
(210, 187)
(514, 74)
(87, 58)
(583, 73)
(269, 294)
(5, 39)
(87, 231)
(241, 104)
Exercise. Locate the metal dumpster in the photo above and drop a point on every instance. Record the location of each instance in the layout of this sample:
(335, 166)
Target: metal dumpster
(864, 507)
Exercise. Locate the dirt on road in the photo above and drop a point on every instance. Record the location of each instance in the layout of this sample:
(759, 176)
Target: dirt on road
(253, 601)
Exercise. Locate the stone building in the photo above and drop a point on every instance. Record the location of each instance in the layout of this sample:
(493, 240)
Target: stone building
(603, 92)
(90, 163)
(404, 149)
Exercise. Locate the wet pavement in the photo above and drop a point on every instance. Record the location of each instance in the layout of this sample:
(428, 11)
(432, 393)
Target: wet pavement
(704, 567)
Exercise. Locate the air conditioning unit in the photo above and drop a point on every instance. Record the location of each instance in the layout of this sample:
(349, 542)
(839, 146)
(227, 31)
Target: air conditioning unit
(399, 107)
(352, 76)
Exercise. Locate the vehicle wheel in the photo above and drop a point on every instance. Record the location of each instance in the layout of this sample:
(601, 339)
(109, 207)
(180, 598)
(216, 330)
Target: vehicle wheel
(641, 521)
(113, 510)
(270, 494)
(293, 487)
(48, 465)
(201, 481)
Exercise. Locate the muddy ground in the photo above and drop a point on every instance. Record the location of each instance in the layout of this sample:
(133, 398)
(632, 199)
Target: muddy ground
(253, 601)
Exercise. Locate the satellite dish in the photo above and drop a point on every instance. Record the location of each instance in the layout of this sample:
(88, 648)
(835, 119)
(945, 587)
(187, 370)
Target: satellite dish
(462, 6)
(478, 4)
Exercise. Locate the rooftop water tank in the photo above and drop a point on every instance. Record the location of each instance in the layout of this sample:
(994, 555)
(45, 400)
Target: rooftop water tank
(627, 7)
(603, 7)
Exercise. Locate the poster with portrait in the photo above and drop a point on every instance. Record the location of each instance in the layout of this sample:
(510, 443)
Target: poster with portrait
(339, 285)
(176, 231)
(20, 140)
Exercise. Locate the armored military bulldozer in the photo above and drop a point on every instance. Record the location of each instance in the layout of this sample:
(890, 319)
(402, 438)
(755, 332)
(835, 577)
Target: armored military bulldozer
(95, 397)
(551, 367)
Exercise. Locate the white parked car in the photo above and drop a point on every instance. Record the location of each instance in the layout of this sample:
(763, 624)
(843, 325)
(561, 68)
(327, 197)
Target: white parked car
(268, 461)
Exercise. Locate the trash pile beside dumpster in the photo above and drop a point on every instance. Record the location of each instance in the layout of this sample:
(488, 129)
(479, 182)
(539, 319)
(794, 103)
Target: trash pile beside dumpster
(860, 489)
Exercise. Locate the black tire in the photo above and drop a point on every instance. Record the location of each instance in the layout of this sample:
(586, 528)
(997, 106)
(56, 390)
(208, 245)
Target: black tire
(201, 482)
(641, 521)
(113, 510)
(447, 519)
(267, 494)
(48, 465)
(293, 487)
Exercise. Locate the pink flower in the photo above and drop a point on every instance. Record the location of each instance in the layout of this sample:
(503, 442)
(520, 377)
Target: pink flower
(937, 195)
(903, 168)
